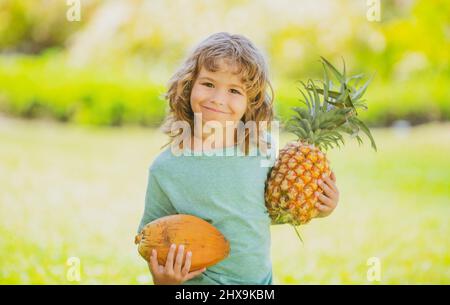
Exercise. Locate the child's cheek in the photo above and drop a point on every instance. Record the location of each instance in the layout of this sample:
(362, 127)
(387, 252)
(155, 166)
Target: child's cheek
(197, 96)
(239, 106)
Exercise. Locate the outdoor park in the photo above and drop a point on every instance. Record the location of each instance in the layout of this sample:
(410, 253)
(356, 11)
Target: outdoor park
(81, 102)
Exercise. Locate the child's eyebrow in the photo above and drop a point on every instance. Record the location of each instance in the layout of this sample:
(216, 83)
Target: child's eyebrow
(210, 79)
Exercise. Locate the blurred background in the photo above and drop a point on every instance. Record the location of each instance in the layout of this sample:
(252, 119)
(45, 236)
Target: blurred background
(81, 102)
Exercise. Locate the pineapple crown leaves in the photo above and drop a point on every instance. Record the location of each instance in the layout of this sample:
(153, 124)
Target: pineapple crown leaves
(330, 112)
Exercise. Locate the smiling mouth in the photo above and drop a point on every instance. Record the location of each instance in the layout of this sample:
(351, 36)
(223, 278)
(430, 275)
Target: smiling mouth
(214, 110)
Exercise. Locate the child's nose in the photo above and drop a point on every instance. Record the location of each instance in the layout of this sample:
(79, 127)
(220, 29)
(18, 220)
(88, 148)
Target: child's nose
(217, 102)
(219, 99)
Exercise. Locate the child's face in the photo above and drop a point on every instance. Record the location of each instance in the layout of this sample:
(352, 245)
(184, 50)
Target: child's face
(219, 96)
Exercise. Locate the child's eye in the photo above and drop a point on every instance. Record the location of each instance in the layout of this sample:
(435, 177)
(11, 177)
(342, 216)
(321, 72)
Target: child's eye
(208, 85)
(235, 91)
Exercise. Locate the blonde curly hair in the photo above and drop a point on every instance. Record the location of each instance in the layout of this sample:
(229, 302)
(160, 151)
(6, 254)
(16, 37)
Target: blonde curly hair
(236, 50)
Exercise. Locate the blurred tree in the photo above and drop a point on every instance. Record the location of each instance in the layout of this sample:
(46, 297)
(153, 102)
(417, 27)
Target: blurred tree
(140, 40)
(33, 26)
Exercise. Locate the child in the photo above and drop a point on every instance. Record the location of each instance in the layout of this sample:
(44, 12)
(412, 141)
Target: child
(224, 80)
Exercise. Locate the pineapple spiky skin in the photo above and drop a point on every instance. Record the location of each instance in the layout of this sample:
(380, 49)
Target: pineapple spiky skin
(293, 181)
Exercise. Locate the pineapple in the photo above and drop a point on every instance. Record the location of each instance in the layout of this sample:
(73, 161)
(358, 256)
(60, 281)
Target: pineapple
(329, 112)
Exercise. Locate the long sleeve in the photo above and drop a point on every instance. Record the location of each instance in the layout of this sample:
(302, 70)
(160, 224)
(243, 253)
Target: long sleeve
(157, 204)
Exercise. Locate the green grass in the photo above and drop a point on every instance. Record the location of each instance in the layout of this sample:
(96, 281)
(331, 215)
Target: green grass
(79, 191)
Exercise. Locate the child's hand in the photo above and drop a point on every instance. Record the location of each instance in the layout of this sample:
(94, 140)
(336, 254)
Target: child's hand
(172, 274)
(330, 197)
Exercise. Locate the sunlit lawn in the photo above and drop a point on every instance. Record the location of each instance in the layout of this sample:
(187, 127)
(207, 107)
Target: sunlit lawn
(75, 191)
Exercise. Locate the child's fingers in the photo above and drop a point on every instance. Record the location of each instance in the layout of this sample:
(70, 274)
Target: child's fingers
(327, 190)
(154, 262)
(323, 208)
(195, 273)
(333, 177)
(330, 183)
(169, 261)
(179, 259)
(324, 200)
(187, 264)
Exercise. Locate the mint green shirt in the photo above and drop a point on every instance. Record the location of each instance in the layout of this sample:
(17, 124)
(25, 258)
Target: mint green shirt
(227, 192)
